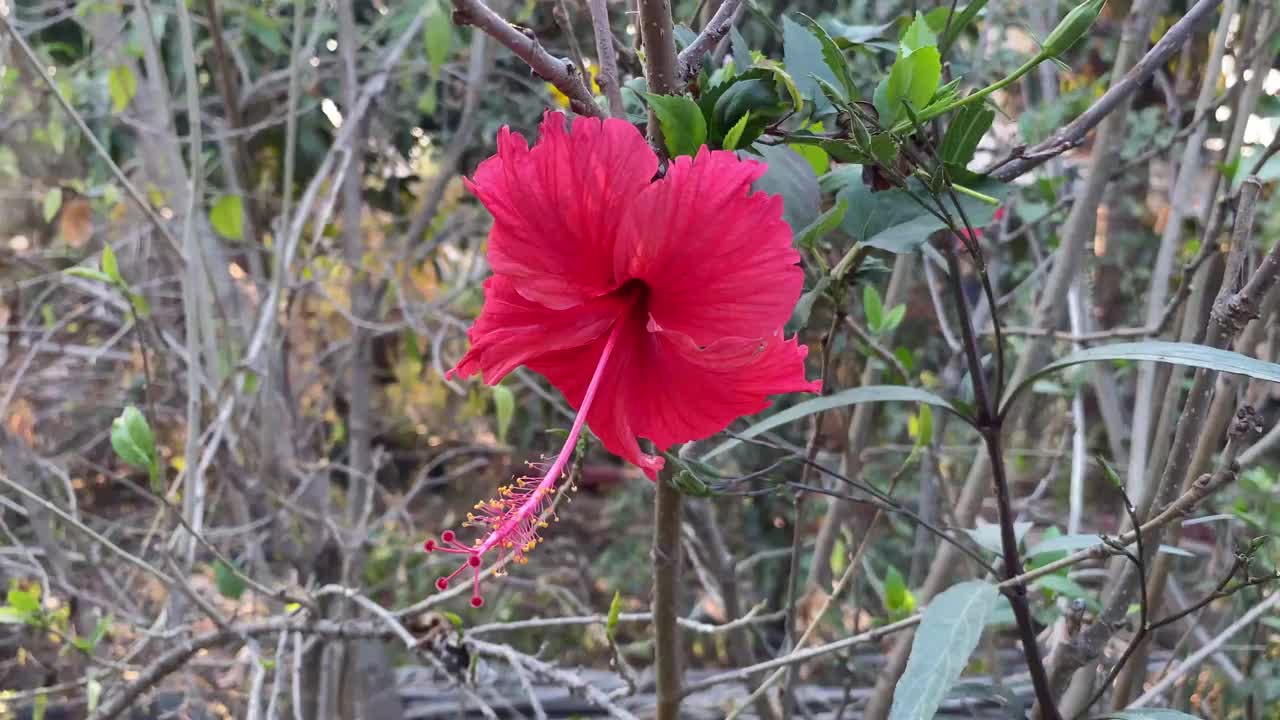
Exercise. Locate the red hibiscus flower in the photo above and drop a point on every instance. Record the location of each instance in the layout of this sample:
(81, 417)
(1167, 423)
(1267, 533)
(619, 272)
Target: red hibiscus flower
(655, 307)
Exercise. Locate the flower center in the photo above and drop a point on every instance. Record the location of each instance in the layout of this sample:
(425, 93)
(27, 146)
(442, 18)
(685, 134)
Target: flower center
(517, 514)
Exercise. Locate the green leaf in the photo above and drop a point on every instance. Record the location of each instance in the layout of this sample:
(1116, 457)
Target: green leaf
(741, 51)
(897, 598)
(1174, 353)
(229, 582)
(948, 633)
(40, 707)
(821, 225)
(123, 86)
(24, 601)
(988, 536)
(833, 56)
(10, 616)
(804, 306)
(140, 305)
(913, 79)
(437, 34)
(894, 318)
(1063, 544)
(967, 127)
(109, 265)
(52, 203)
(891, 220)
(1062, 585)
(918, 35)
(683, 127)
(961, 21)
(792, 177)
(852, 396)
(873, 308)
(89, 274)
(782, 77)
(754, 93)
(504, 408)
(227, 217)
(920, 426)
(805, 57)
(615, 607)
(132, 439)
(734, 135)
(817, 158)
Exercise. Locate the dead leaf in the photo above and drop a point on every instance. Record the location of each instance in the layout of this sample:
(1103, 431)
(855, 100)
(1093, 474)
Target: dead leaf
(76, 222)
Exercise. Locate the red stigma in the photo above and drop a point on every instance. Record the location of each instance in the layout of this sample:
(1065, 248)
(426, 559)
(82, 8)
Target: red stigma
(477, 601)
(447, 536)
(429, 545)
(474, 561)
(442, 583)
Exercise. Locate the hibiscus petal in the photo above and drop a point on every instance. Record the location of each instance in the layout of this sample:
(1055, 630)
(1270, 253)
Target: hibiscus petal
(660, 385)
(512, 330)
(556, 207)
(717, 260)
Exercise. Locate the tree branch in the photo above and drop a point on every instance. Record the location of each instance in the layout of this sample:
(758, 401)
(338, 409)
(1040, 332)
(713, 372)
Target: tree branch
(557, 71)
(690, 60)
(1073, 134)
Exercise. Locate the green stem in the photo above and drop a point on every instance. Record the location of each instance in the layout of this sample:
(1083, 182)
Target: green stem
(932, 112)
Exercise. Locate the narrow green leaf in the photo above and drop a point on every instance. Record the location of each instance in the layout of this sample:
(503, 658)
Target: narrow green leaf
(110, 266)
(615, 608)
(89, 274)
(873, 308)
(852, 396)
(967, 127)
(734, 135)
(122, 84)
(959, 23)
(1174, 353)
(683, 127)
(741, 51)
(40, 707)
(833, 56)
(823, 224)
(454, 619)
(504, 408)
(229, 582)
(437, 34)
(948, 633)
(804, 306)
(227, 217)
(52, 203)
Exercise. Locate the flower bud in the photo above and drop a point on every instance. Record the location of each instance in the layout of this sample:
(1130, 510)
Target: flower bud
(1073, 27)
